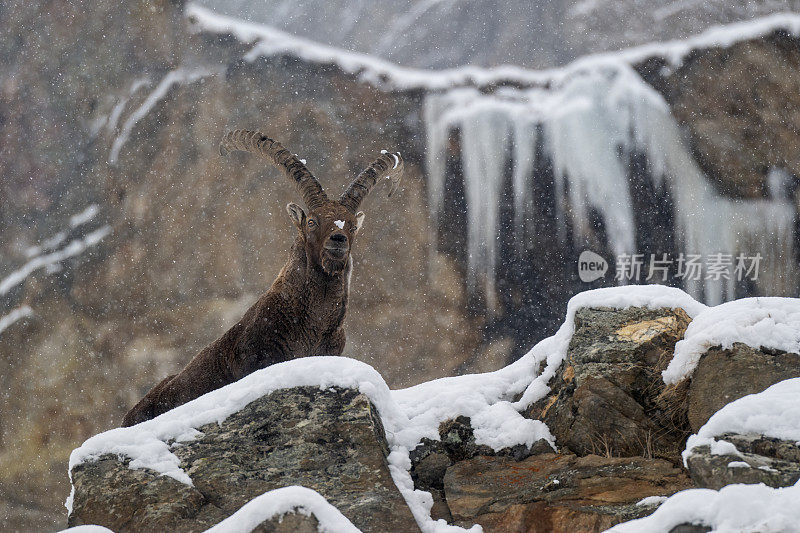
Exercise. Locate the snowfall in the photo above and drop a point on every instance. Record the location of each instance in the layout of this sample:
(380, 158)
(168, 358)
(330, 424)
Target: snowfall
(410, 414)
(495, 400)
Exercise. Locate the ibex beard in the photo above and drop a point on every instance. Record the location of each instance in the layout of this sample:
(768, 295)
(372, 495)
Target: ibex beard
(302, 312)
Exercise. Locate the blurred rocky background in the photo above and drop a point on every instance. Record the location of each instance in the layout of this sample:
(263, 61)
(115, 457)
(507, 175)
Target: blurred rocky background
(127, 244)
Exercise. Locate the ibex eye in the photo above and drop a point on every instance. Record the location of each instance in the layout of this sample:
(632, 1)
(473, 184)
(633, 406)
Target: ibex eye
(311, 223)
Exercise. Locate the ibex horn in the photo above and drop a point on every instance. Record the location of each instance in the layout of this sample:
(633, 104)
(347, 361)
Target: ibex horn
(257, 143)
(388, 165)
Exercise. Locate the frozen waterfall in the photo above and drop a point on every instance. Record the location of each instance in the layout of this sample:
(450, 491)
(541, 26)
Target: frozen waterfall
(590, 121)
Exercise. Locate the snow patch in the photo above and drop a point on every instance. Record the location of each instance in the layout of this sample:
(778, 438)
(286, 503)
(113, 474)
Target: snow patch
(732, 509)
(87, 215)
(173, 77)
(116, 112)
(764, 322)
(17, 314)
(774, 413)
(76, 247)
(651, 500)
(339, 224)
(278, 502)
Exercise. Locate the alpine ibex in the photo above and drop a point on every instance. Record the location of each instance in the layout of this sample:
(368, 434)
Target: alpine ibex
(302, 312)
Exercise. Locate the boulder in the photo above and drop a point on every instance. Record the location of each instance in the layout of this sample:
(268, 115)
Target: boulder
(331, 441)
(760, 459)
(556, 493)
(606, 397)
(723, 376)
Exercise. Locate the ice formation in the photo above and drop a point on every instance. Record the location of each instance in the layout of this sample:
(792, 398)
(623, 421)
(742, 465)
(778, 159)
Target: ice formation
(591, 120)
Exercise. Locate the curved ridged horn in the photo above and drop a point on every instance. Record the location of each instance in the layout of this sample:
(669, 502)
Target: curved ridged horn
(257, 143)
(389, 165)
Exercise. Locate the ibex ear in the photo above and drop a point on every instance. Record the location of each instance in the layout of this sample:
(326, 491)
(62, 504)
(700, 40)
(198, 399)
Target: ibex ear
(297, 214)
(359, 220)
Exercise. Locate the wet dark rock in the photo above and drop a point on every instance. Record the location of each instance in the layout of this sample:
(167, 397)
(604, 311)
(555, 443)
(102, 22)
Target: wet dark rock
(431, 458)
(331, 441)
(689, 528)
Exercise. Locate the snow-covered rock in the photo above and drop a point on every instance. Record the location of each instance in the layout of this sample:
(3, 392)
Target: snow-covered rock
(332, 425)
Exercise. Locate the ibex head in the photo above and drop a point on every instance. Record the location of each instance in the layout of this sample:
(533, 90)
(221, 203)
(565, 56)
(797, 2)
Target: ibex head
(327, 227)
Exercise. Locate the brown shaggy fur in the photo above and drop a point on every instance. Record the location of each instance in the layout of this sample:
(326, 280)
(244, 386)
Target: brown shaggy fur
(302, 313)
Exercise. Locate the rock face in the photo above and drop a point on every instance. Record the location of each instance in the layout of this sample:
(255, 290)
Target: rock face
(740, 120)
(723, 376)
(556, 493)
(605, 398)
(760, 460)
(329, 441)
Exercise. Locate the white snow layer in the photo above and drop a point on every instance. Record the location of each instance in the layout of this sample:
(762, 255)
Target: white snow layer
(767, 322)
(17, 314)
(279, 502)
(737, 508)
(85, 216)
(732, 509)
(408, 415)
(774, 412)
(268, 41)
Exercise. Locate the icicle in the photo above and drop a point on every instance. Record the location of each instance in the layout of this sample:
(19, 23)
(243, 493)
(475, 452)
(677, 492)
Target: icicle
(525, 135)
(485, 138)
(590, 121)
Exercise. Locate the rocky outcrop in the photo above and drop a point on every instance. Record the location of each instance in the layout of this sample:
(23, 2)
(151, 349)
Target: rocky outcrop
(606, 397)
(725, 375)
(331, 441)
(756, 459)
(618, 429)
(740, 120)
(556, 493)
